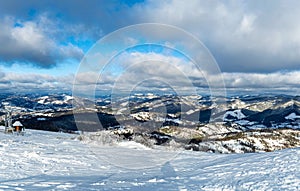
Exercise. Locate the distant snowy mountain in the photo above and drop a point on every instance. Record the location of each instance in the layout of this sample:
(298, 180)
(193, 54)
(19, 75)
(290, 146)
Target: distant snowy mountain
(238, 124)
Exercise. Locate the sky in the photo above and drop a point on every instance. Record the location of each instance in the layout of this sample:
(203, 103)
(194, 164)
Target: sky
(255, 44)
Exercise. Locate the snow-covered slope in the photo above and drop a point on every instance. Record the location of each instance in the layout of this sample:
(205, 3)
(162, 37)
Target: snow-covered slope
(236, 114)
(292, 116)
(54, 161)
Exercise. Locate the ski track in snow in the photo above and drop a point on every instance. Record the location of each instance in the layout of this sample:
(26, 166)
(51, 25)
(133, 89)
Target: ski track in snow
(43, 160)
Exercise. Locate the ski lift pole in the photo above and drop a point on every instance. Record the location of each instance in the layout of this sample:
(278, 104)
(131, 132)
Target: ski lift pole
(8, 118)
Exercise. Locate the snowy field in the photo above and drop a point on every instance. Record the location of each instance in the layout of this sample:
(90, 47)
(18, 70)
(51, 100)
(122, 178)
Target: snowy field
(43, 160)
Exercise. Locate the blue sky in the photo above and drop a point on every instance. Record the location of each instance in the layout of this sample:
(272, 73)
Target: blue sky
(256, 44)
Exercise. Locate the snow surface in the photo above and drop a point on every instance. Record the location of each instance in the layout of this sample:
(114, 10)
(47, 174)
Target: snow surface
(292, 116)
(17, 123)
(42, 160)
(236, 114)
(68, 98)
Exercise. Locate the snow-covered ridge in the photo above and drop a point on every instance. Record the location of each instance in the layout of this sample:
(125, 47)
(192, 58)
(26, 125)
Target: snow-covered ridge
(217, 138)
(55, 100)
(157, 117)
(292, 116)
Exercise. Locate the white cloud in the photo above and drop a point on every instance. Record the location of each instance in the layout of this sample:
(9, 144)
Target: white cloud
(244, 36)
(256, 80)
(253, 42)
(246, 25)
(144, 70)
(159, 72)
(18, 82)
(154, 70)
(27, 42)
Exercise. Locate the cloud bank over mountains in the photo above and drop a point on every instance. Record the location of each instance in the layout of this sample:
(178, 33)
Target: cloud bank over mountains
(256, 44)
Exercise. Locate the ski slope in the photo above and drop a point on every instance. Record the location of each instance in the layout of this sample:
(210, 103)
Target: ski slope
(43, 160)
